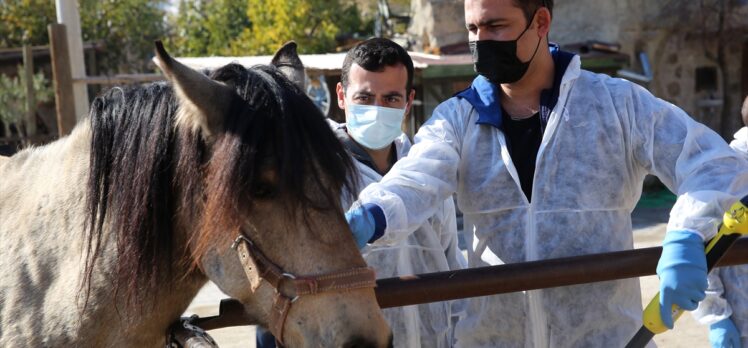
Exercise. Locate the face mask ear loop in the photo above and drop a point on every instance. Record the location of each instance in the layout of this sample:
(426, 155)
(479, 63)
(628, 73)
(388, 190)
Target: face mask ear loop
(536, 50)
(529, 24)
(539, 39)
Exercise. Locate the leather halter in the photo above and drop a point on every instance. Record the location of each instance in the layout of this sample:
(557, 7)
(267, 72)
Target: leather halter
(289, 287)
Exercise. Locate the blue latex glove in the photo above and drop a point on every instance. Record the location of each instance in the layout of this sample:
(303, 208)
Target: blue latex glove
(724, 334)
(366, 223)
(682, 272)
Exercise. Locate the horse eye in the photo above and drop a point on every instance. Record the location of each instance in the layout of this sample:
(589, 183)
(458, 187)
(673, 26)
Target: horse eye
(263, 191)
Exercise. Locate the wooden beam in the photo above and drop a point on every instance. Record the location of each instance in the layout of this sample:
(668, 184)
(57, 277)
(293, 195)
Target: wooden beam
(28, 67)
(465, 71)
(33, 48)
(67, 14)
(118, 79)
(63, 79)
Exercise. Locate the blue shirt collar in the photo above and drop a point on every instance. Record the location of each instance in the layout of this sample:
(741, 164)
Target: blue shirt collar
(484, 95)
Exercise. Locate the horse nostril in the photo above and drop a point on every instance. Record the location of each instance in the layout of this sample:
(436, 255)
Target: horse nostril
(360, 342)
(390, 345)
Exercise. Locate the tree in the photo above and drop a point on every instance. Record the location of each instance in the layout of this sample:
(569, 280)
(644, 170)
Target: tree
(25, 22)
(13, 96)
(253, 27)
(126, 27)
(314, 24)
(203, 28)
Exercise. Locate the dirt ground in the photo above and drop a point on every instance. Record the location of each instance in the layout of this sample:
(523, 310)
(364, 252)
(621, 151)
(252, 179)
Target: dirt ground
(649, 230)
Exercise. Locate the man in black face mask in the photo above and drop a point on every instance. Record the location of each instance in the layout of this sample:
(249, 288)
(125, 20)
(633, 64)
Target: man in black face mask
(506, 51)
(548, 160)
(496, 58)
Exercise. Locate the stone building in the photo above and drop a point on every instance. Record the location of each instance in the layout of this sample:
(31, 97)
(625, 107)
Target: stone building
(438, 26)
(695, 48)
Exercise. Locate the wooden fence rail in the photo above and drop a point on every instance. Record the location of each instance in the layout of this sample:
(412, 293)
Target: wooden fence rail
(120, 79)
(64, 82)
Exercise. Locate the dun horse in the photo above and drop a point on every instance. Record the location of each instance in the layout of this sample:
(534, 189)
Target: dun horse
(107, 234)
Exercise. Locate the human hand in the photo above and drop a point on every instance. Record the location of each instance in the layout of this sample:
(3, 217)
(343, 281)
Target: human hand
(724, 334)
(361, 222)
(682, 271)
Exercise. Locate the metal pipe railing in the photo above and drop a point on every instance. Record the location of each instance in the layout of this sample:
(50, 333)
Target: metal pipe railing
(442, 286)
(492, 280)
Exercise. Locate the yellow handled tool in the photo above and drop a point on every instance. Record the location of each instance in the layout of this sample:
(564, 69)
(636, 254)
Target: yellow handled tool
(734, 225)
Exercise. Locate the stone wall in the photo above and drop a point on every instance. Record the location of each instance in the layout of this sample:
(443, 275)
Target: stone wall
(679, 39)
(437, 24)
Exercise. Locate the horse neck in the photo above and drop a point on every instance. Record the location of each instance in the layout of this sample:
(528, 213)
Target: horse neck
(166, 305)
(44, 208)
(162, 306)
(146, 325)
(168, 300)
(173, 294)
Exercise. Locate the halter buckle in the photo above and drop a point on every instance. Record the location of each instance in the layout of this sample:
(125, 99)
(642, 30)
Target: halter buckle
(239, 239)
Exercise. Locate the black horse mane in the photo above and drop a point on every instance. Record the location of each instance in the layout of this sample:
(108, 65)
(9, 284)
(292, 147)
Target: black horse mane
(144, 167)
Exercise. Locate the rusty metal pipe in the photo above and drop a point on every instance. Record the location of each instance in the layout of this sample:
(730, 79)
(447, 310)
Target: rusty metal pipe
(442, 286)
(492, 280)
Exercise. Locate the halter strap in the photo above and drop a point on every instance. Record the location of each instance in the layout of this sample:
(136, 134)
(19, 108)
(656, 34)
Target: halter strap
(288, 287)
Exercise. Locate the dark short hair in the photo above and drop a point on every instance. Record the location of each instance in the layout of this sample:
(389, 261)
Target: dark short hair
(374, 55)
(529, 7)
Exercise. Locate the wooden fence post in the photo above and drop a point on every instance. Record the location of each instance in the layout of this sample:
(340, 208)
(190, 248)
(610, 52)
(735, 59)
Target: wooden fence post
(67, 14)
(28, 66)
(64, 99)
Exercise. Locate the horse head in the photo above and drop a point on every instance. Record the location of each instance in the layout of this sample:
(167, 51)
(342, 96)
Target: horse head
(270, 184)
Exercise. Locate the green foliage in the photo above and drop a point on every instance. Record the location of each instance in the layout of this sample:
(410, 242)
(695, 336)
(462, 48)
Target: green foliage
(11, 98)
(254, 27)
(189, 37)
(126, 27)
(203, 28)
(13, 95)
(313, 24)
(25, 22)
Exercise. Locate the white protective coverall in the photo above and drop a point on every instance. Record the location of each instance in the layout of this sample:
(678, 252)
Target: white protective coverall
(432, 247)
(603, 136)
(727, 295)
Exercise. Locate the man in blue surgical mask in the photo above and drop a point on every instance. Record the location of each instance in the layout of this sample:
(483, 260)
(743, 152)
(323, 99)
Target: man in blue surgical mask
(547, 160)
(376, 93)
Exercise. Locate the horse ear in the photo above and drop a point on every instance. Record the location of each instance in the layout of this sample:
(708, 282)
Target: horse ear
(203, 103)
(287, 61)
